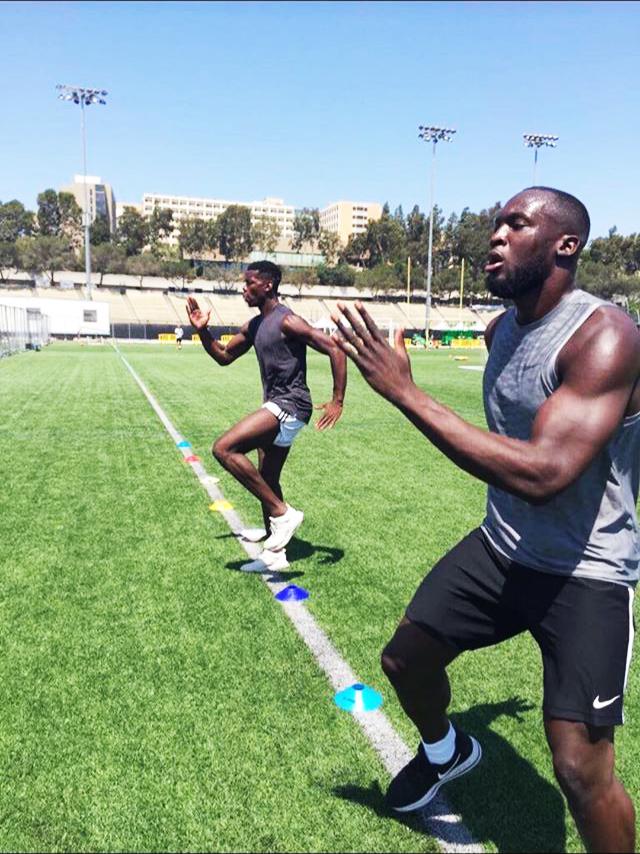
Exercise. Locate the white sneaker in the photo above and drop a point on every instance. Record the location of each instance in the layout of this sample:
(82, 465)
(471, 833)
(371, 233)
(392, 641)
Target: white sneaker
(253, 535)
(283, 528)
(267, 562)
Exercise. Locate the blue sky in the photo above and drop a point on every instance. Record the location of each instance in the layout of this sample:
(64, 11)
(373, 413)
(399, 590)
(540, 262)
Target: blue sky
(315, 102)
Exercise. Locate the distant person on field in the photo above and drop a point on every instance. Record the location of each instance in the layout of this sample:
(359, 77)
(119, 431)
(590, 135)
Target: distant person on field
(179, 333)
(557, 554)
(280, 339)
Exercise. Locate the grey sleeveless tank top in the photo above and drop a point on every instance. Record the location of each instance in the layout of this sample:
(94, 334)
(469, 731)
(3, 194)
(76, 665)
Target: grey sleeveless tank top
(283, 364)
(590, 529)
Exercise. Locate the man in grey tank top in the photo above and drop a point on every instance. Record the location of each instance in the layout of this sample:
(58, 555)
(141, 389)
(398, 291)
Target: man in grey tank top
(558, 552)
(280, 339)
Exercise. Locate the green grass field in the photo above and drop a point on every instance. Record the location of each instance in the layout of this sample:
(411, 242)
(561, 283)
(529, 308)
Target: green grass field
(151, 698)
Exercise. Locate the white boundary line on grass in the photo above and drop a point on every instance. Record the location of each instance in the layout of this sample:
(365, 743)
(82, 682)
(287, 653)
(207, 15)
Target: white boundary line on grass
(447, 828)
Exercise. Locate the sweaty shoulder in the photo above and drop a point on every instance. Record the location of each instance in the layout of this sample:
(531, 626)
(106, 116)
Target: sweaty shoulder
(609, 332)
(607, 344)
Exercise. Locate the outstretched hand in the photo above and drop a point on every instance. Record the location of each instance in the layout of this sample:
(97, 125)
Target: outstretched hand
(332, 411)
(197, 318)
(386, 369)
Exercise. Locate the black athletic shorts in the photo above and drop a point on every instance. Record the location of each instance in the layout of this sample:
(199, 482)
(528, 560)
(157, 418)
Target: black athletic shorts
(476, 597)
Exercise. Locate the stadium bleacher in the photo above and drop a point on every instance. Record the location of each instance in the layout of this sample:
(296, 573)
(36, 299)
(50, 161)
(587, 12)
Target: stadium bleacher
(161, 309)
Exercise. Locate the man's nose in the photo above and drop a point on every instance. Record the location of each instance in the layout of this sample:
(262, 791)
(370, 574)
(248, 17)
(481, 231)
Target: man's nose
(499, 237)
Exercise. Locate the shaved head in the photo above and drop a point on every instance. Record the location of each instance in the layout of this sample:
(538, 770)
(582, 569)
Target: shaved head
(570, 214)
(539, 233)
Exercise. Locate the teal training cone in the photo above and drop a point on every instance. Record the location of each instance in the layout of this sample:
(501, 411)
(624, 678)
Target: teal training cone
(358, 698)
(184, 444)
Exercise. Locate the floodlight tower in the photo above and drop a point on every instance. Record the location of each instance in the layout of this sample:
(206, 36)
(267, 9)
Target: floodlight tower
(84, 97)
(536, 141)
(434, 135)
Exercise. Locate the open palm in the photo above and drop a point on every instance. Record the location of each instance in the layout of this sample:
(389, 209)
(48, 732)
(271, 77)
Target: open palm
(198, 318)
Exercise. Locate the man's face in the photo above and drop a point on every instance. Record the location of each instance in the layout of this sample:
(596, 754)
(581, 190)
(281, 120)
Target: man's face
(523, 246)
(256, 288)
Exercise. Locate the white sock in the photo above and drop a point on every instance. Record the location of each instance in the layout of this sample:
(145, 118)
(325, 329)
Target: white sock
(441, 751)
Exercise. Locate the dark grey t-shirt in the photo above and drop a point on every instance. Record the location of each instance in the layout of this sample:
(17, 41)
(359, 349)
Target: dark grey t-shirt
(283, 364)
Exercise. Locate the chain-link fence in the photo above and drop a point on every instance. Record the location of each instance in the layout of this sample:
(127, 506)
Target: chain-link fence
(22, 329)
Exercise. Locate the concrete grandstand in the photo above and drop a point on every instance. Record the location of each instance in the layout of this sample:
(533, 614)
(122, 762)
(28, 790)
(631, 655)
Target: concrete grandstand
(145, 311)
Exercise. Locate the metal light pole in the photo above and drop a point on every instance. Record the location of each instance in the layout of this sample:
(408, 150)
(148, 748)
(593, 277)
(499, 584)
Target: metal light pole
(433, 135)
(84, 97)
(536, 141)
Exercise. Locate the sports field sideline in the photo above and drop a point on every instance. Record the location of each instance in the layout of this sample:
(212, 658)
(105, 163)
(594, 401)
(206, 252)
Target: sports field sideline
(154, 699)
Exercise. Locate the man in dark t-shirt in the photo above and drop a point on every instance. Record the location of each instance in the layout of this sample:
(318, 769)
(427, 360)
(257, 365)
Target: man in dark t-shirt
(280, 339)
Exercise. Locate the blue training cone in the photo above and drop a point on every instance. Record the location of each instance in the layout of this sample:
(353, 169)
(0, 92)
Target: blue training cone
(184, 444)
(292, 593)
(358, 698)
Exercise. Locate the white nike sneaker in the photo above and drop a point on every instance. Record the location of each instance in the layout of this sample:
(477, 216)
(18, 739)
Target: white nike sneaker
(283, 528)
(253, 535)
(267, 562)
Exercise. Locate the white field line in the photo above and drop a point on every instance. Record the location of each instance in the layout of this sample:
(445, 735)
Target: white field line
(440, 821)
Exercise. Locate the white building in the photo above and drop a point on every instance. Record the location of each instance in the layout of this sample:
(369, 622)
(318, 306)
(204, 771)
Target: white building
(204, 208)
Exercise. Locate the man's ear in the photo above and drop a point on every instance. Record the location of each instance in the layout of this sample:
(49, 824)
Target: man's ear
(569, 245)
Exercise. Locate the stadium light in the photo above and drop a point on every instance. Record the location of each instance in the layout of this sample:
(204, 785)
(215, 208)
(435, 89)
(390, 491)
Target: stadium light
(430, 133)
(84, 97)
(536, 141)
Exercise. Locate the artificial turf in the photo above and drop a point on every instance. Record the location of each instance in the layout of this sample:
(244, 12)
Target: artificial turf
(153, 698)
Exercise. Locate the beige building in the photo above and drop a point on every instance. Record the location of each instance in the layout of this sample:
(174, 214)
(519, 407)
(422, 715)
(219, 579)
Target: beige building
(92, 191)
(347, 218)
(189, 206)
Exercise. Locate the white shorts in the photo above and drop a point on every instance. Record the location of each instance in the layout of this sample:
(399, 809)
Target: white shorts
(290, 426)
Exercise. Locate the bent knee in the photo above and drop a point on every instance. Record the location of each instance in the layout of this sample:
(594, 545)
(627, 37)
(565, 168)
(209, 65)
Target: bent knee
(221, 449)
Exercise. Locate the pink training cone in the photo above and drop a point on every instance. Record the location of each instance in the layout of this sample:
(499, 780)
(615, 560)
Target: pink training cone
(192, 459)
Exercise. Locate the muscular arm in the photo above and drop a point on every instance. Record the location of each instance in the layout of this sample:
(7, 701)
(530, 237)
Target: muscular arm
(598, 369)
(225, 354)
(238, 345)
(296, 327)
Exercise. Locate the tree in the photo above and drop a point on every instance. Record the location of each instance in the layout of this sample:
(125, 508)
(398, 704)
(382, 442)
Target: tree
(132, 231)
(48, 214)
(470, 240)
(8, 258)
(59, 215)
(355, 252)
(108, 258)
(385, 241)
(382, 278)
(70, 218)
(160, 225)
(178, 270)
(144, 265)
(44, 255)
(338, 277)
(233, 231)
(266, 234)
(193, 239)
(301, 277)
(329, 245)
(15, 221)
(306, 228)
(100, 231)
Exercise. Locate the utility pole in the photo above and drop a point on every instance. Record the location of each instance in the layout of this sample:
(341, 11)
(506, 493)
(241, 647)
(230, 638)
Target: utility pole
(536, 141)
(429, 133)
(84, 97)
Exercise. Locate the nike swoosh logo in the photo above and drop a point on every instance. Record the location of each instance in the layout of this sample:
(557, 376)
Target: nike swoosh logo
(600, 704)
(450, 768)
